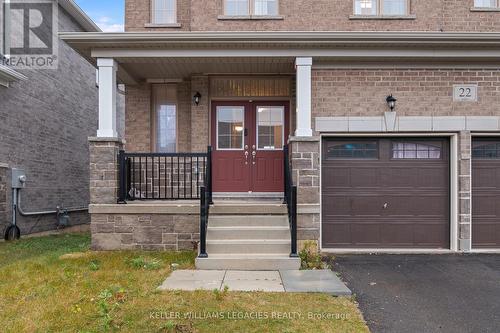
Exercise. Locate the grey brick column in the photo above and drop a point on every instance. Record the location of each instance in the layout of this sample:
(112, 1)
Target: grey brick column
(104, 182)
(464, 191)
(306, 175)
(3, 197)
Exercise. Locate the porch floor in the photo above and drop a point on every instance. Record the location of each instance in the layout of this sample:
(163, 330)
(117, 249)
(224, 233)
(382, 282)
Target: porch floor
(315, 281)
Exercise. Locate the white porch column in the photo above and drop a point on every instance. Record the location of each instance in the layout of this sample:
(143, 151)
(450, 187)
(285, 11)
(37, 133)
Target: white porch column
(303, 66)
(107, 98)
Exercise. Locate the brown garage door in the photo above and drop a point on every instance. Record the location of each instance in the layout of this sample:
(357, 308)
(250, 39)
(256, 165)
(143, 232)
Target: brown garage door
(486, 193)
(385, 193)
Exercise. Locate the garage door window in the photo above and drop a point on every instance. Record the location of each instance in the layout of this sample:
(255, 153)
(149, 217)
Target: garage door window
(487, 151)
(352, 150)
(411, 150)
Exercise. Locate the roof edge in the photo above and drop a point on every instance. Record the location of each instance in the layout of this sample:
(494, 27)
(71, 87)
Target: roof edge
(10, 75)
(79, 15)
(305, 36)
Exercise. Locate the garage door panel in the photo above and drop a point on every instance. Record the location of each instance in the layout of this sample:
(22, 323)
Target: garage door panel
(485, 206)
(391, 201)
(432, 206)
(362, 177)
(338, 177)
(394, 177)
(366, 206)
(486, 193)
(432, 235)
(366, 235)
(433, 177)
(338, 234)
(338, 206)
(397, 235)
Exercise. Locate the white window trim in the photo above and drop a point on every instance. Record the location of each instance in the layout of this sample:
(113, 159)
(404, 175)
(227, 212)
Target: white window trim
(381, 15)
(217, 127)
(282, 108)
(154, 119)
(250, 14)
(485, 9)
(154, 24)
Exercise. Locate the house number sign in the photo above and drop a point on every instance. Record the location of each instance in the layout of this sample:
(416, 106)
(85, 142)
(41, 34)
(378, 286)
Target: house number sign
(465, 93)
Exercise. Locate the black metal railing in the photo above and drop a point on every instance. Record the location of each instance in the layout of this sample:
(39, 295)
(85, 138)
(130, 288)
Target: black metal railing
(163, 176)
(205, 202)
(290, 195)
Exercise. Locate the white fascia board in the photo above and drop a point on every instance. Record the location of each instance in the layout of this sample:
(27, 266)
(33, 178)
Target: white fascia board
(285, 53)
(291, 36)
(8, 75)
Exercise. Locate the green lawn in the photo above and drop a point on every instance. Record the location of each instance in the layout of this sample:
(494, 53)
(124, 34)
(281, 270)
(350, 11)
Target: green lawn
(55, 284)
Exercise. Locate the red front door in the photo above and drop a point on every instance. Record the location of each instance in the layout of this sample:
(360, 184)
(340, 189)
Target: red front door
(247, 140)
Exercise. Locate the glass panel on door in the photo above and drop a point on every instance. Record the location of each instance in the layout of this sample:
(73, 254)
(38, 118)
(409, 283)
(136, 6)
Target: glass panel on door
(270, 127)
(230, 127)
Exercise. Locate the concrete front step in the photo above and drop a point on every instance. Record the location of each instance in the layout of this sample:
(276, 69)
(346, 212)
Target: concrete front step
(222, 233)
(254, 208)
(260, 246)
(249, 262)
(248, 221)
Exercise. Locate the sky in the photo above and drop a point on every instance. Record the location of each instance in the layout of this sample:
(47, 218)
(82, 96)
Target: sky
(107, 14)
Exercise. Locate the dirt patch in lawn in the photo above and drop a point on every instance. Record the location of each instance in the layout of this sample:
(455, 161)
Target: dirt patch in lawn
(56, 284)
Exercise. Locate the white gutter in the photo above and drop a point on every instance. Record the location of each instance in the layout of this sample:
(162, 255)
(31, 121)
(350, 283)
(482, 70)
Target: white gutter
(8, 75)
(287, 37)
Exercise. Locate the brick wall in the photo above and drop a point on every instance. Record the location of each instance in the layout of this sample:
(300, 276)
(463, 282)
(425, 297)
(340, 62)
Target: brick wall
(45, 122)
(420, 92)
(145, 231)
(200, 114)
(138, 118)
(138, 14)
(138, 129)
(325, 15)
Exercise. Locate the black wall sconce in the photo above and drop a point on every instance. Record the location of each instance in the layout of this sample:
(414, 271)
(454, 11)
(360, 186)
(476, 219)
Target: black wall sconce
(197, 98)
(391, 102)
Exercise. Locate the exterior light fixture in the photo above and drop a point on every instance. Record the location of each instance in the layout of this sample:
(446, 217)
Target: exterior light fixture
(197, 98)
(391, 102)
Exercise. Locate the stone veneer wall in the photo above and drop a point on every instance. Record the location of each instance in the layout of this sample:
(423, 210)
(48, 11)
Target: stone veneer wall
(306, 176)
(464, 191)
(104, 182)
(149, 231)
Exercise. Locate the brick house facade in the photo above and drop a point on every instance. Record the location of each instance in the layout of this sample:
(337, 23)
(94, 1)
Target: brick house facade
(339, 67)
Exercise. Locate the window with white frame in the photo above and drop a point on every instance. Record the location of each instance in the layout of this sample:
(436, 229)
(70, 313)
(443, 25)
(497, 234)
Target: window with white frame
(382, 7)
(164, 11)
(165, 109)
(487, 3)
(250, 7)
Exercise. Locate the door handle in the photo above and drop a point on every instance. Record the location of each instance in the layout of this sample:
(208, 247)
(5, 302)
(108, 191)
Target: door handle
(386, 205)
(254, 153)
(246, 157)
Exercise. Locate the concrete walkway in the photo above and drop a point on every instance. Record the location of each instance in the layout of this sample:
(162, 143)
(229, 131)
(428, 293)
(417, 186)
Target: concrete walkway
(316, 281)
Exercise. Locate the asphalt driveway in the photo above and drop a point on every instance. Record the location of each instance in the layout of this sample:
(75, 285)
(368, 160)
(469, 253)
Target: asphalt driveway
(425, 293)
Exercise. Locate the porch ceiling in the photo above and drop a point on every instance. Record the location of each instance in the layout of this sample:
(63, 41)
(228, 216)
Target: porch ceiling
(180, 68)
